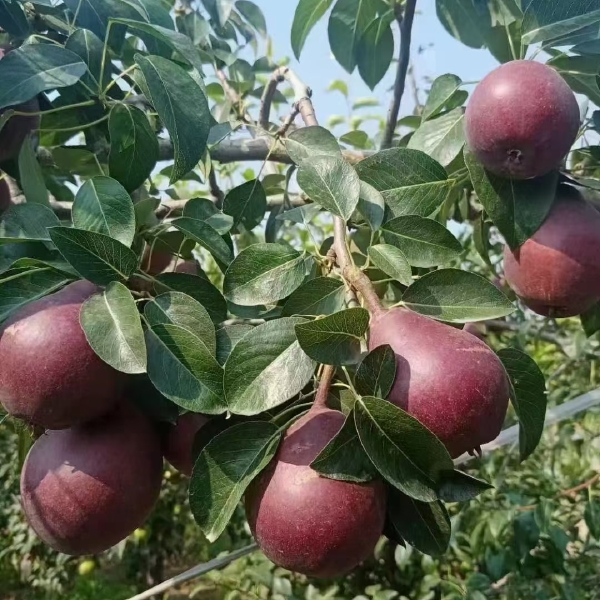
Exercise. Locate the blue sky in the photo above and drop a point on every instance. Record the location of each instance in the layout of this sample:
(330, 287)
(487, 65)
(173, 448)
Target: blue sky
(440, 53)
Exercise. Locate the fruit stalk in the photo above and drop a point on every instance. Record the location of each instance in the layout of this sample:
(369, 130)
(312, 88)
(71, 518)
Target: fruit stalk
(324, 386)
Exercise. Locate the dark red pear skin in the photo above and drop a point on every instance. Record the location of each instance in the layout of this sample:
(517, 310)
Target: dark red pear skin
(448, 379)
(522, 120)
(557, 271)
(179, 442)
(17, 128)
(87, 488)
(49, 374)
(307, 523)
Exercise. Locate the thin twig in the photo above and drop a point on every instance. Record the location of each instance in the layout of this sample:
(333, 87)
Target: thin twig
(288, 122)
(267, 98)
(233, 96)
(215, 190)
(586, 485)
(405, 23)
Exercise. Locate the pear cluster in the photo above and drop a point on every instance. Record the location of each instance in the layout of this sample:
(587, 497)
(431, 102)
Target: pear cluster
(521, 122)
(95, 473)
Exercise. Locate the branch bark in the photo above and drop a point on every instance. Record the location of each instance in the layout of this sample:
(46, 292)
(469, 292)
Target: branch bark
(265, 104)
(405, 22)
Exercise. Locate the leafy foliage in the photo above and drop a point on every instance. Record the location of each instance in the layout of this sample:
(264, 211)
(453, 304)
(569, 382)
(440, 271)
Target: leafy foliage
(123, 88)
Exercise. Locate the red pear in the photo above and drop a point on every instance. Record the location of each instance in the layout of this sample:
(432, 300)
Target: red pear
(49, 374)
(308, 523)
(448, 379)
(85, 489)
(557, 271)
(179, 442)
(522, 120)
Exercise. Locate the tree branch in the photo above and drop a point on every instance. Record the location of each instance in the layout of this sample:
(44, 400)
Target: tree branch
(267, 98)
(354, 276)
(405, 23)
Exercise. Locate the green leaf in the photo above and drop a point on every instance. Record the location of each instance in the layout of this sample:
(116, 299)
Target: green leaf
(334, 340)
(90, 48)
(133, 146)
(95, 15)
(457, 296)
(592, 517)
(35, 68)
(182, 107)
(183, 369)
(320, 296)
(229, 462)
(543, 20)
(27, 223)
(356, 138)
(13, 19)
(177, 41)
(403, 450)
(375, 50)
(590, 319)
(308, 142)
(392, 262)
(180, 309)
(31, 175)
(19, 287)
(424, 242)
(469, 21)
(94, 256)
(112, 327)
(199, 288)
(348, 22)
(227, 338)
(246, 204)
(266, 368)
(202, 233)
(528, 397)
(457, 486)
(581, 73)
(103, 205)
(307, 15)
(301, 214)
(442, 138)
(371, 205)
(253, 14)
(219, 10)
(332, 183)
(411, 182)
(424, 525)
(205, 210)
(377, 372)
(517, 207)
(264, 274)
(344, 458)
(442, 89)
